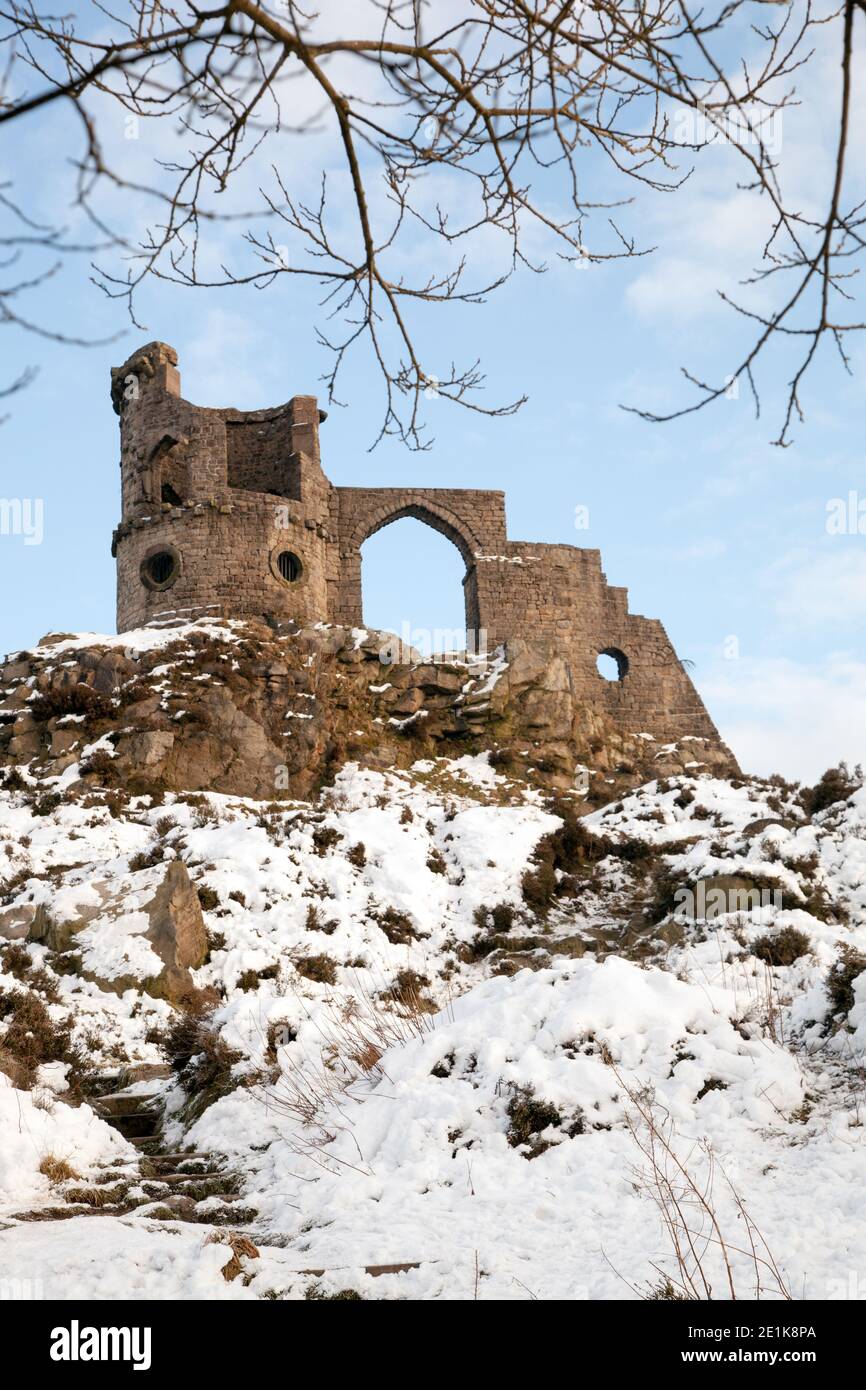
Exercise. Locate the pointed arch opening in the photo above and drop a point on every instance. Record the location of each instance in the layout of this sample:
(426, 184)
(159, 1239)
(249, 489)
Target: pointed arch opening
(167, 476)
(416, 583)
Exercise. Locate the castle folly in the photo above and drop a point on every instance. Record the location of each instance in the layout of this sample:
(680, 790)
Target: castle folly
(228, 512)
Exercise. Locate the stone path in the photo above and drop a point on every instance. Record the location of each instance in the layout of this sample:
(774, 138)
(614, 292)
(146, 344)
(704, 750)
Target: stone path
(164, 1187)
(159, 1185)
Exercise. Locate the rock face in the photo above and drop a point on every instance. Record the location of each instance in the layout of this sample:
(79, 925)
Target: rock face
(243, 709)
(177, 931)
(16, 922)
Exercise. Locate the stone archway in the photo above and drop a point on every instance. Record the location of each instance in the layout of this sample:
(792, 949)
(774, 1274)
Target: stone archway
(435, 514)
(364, 511)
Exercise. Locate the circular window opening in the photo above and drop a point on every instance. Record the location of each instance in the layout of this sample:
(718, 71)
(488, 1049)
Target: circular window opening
(289, 566)
(612, 664)
(160, 568)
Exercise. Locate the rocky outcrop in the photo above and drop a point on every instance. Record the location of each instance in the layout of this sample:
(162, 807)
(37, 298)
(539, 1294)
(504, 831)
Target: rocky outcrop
(177, 932)
(244, 709)
(16, 922)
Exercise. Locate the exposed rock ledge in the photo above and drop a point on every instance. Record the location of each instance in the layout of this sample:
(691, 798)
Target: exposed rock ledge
(239, 708)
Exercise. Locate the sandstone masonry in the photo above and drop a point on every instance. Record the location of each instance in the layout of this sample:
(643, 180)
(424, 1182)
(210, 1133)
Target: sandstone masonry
(229, 513)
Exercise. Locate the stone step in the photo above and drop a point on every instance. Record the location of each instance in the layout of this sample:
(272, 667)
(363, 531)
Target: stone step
(194, 1163)
(175, 1196)
(375, 1271)
(62, 1213)
(178, 1207)
(106, 1176)
(177, 1177)
(227, 1214)
(120, 1103)
(194, 1185)
(143, 1125)
(146, 1071)
(173, 1207)
(131, 1072)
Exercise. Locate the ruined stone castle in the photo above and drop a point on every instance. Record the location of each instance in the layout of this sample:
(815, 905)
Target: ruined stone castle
(229, 512)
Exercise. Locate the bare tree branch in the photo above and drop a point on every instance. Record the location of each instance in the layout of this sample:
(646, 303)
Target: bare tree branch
(468, 127)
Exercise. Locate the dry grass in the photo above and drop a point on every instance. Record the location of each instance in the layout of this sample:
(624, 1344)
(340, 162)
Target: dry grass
(781, 947)
(32, 1037)
(57, 1170)
(241, 1248)
(406, 991)
(835, 785)
(202, 1059)
(840, 982)
(355, 1032)
(96, 1196)
(681, 1186)
(15, 960)
(71, 699)
(18, 1073)
(528, 1117)
(321, 969)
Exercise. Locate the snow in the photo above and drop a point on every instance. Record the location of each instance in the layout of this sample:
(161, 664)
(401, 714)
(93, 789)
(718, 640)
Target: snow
(118, 1259)
(114, 949)
(857, 1017)
(421, 1167)
(143, 639)
(754, 1087)
(476, 768)
(32, 1126)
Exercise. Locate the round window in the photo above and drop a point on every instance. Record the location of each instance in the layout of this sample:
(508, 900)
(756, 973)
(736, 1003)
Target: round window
(612, 664)
(160, 568)
(289, 566)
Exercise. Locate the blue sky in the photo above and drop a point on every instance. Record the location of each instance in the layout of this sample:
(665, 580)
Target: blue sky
(711, 529)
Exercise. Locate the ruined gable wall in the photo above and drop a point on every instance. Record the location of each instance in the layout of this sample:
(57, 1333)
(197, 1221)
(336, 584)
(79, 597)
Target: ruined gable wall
(558, 594)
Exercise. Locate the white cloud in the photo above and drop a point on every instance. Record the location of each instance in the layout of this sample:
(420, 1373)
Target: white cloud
(224, 362)
(709, 549)
(822, 589)
(710, 241)
(780, 715)
(711, 233)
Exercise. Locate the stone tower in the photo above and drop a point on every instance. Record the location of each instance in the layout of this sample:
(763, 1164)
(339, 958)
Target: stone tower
(228, 512)
(222, 510)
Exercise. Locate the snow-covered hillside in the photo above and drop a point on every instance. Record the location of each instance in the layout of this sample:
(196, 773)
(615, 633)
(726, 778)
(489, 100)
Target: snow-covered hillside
(448, 1041)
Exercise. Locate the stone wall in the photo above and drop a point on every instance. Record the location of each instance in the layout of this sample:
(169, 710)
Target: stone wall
(229, 512)
(214, 545)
